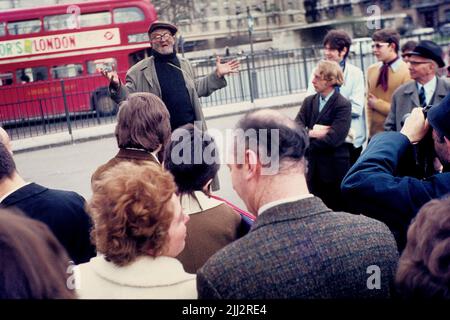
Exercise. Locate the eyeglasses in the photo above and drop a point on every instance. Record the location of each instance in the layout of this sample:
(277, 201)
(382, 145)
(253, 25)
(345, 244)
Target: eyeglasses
(379, 45)
(161, 37)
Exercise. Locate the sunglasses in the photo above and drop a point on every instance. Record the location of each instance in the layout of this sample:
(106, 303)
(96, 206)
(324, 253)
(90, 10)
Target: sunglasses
(379, 45)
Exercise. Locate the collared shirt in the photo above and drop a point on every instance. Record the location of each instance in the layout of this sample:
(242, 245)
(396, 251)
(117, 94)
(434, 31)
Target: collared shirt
(395, 65)
(323, 101)
(12, 191)
(282, 201)
(429, 87)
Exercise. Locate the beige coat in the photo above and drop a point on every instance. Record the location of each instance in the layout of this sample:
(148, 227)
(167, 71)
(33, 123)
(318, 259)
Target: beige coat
(142, 77)
(145, 278)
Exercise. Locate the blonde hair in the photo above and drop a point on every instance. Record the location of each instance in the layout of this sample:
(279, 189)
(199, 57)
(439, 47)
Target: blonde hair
(331, 71)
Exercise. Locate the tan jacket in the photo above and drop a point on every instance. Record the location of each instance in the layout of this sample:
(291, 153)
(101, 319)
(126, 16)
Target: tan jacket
(142, 77)
(376, 117)
(212, 226)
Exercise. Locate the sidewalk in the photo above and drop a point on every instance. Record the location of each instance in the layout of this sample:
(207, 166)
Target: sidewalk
(102, 131)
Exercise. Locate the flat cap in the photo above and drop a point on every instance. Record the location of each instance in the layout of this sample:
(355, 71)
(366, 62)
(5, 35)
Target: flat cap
(162, 25)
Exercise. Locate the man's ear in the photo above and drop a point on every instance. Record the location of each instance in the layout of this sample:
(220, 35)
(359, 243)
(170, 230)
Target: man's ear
(252, 165)
(207, 187)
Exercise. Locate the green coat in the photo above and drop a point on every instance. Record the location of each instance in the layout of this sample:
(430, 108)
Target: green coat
(142, 77)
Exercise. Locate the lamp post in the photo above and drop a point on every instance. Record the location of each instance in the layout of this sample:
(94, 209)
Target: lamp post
(254, 84)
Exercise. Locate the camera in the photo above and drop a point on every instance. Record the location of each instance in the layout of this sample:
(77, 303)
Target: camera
(424, 110)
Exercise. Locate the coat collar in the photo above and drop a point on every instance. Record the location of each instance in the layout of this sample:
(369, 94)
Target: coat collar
(150, 75)
(136, 154)
(27, 191)
(411, 89)
(145, 271)
(198, 202)
(291, 211)
(328, 105)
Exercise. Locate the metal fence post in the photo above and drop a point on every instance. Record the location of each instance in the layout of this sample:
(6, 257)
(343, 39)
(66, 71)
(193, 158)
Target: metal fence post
(305, 68)
(361, 56)
(42, 116)
(250, 81)
(66, 108)
(288, 73)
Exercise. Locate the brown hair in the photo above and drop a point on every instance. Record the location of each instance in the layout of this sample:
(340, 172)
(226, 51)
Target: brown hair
(424, 266)
(389, 36)
(192, 175)
(7, 164)
(143, 122)
(331, 71)
(33, 264)
(130, 211)
(338, 40)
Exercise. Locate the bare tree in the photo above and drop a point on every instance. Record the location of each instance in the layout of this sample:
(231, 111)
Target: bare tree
(174, 10)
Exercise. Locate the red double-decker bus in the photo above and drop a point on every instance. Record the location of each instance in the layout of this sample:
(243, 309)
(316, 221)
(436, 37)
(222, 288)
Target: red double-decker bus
(49, 56)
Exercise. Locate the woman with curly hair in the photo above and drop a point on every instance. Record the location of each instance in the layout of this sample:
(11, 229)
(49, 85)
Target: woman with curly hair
(139, 229)
(424, 267)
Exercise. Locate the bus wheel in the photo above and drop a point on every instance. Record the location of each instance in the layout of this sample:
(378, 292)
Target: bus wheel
(105, 106)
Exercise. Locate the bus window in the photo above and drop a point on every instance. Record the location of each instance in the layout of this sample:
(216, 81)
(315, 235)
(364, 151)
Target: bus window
(94, 66)
(33, 74)
(95, 19)
(67, 71)
(60, 22)
(130, 14)
(24, 27)
(6, 79)
(2, 29)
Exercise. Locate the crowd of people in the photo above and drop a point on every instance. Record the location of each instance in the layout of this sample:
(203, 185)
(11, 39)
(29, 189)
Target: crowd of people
(358, 206)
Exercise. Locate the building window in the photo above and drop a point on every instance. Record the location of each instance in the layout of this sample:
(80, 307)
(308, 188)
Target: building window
(256, 21)
(204, 26)
(217, 25)
(214, 11)
(229, 24)
(387, 5)
(447, 15)
(291, 18)
(347, 10)
(406, 4)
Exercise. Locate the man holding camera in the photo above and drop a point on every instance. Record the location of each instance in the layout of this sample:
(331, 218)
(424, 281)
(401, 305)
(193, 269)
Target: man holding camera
(374, 188)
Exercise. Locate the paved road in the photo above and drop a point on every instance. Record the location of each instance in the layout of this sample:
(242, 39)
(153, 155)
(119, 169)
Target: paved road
(70, 167)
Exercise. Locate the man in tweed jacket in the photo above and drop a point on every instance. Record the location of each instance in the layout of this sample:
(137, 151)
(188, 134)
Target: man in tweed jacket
(297, 248)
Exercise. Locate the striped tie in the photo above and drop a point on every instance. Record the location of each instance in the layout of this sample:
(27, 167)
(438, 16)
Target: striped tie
(422, 98)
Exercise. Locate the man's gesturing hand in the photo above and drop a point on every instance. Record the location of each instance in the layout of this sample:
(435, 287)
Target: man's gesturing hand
(222, 69)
